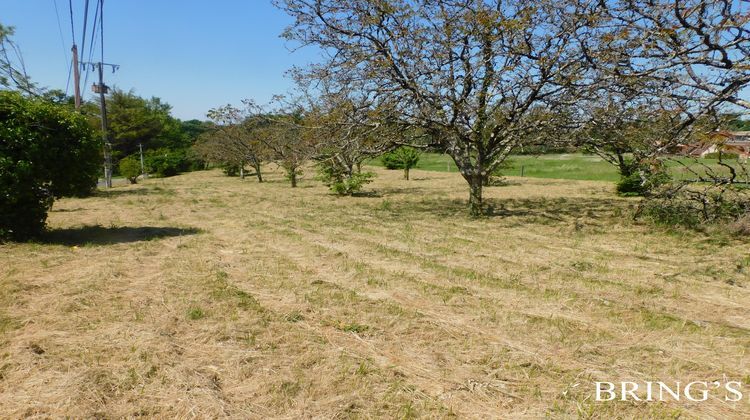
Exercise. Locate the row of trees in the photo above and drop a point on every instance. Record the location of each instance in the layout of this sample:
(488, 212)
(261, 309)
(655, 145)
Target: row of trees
(629, 80)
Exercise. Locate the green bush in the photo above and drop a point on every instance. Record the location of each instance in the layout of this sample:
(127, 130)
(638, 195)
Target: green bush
(404, 158)
(130, 168)
(353, 184)
(165, 162)
(340, 180)
(230, 170)
(637, 183)
(47, 151)
(724, 155)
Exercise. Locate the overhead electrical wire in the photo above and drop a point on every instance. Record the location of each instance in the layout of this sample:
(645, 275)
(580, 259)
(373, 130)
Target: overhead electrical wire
(72, 25)
(85, 25)
(92, 41)
(62, 40)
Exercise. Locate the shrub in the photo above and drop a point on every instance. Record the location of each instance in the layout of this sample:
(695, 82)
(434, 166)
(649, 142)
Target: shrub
(47, 151)
(352, 184)
(723, 155)
(404, 158)
(640, 182)
(230, 170)
(130, 168)
(340, 180)
(694, 208)
(165, 162)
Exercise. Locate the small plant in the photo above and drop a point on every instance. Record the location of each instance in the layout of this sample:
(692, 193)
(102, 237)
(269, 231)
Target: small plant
(404, 158)
(294, 316)
(641, 182)
(230, 170)
(196, 313)
(340, 180)
(354, 327)
(130, 168)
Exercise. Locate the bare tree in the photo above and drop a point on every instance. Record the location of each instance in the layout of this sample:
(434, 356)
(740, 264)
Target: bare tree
(233, 140)
(698, 50)
(286, 134)
(12, 67)
(473, 75)
(664, 70)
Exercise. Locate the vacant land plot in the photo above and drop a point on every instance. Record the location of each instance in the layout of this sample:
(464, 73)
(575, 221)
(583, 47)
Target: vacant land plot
(207, 296)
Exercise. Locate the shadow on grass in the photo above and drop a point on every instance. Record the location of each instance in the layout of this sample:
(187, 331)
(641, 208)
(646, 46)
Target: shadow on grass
(122, 191)
(531, 210)
(100, 235)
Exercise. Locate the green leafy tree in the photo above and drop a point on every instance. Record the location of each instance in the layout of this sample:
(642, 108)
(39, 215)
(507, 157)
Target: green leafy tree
(166, 162)
(46, 152)
(135, 121)
(404, 158)
(130, 168)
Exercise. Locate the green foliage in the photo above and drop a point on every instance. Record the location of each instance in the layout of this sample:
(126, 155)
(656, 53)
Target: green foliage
(641, 182)
(340, 180)
(130, 168)
(137, 121)
(230, 170)
(165, 162)
(196, 313)
(401, 158)
(696, 208)
(721, 155)
(46, 152)
(404, 158)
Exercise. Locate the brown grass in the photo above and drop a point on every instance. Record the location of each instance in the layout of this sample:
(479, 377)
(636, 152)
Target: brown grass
(205, 296)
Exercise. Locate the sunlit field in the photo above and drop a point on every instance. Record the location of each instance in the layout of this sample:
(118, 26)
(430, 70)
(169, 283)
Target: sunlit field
(206, 296)
(580, 166)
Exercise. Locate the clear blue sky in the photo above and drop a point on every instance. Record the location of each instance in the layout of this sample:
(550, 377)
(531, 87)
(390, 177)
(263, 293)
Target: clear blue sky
(194, 54)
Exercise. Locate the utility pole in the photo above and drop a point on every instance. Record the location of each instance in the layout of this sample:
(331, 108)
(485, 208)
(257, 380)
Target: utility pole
(143, 167)
(76, 77)
(102, 89)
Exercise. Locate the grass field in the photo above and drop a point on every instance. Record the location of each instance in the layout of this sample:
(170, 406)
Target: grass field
(563, 166)
(207, 296)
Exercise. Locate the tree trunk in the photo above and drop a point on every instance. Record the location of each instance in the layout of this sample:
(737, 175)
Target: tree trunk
(359, 167)
(293, 177)
(406, 174)
(257, 172)
(475, 196)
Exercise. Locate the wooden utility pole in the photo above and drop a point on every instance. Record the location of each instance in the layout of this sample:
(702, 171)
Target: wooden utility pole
(76, 77)
(102, 89)
(143, 167)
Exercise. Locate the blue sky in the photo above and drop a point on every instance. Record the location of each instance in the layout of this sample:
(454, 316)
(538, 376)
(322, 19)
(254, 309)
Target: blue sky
(194, 54)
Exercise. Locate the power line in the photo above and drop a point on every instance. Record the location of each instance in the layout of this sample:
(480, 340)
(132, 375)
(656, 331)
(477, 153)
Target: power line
(85, 24)
(92, 42)
(72, 26)
(67, 84)
(59, 28)
(101, 25)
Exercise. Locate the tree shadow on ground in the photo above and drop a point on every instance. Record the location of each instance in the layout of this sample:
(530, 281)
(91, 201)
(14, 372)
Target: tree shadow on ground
(100, 235)
(528, 210)
(385, 191)
(118, 192)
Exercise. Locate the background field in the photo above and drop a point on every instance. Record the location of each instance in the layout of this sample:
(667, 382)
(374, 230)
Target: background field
(206, 296)
(568, 166)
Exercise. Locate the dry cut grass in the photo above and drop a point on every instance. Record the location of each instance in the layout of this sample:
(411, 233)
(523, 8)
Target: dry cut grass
(205, 296)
